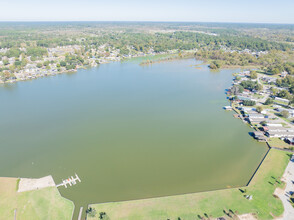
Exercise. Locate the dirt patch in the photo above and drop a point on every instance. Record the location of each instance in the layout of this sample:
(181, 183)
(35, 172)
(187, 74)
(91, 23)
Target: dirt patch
(278, 191)
(248, 216)
(26, 184)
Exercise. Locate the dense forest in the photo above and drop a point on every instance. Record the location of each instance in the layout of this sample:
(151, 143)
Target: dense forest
(158, 36)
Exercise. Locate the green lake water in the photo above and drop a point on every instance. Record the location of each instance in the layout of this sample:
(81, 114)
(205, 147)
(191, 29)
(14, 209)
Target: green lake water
(128, 131)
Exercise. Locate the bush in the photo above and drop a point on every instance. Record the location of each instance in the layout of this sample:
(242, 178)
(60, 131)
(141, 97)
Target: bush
(253, 75)
(91, 212)
(269, 101)
(285, 114)
(259, 109)
(249, 103)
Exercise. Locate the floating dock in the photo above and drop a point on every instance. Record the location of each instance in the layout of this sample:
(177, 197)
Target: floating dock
(70, 181)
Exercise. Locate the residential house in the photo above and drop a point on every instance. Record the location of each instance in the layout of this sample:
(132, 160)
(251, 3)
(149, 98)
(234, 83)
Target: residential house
(285, 101)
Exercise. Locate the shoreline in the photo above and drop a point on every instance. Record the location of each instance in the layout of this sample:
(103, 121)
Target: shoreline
(191, 204)
(269, 148)
(90, 67)
(214, 190)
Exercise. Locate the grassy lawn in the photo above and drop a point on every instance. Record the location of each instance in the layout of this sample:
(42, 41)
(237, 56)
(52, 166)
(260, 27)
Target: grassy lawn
(276, 142)
(213, 204)
(44, 204)
(150, 57)
(257, 96)
(234, 106)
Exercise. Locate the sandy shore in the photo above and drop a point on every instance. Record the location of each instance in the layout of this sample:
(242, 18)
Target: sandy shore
(27, 184)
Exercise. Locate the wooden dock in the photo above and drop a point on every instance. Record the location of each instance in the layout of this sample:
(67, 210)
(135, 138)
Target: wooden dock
(70, 181)
(80, 213)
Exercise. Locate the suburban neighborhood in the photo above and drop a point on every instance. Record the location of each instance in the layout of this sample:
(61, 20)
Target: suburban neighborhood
(263, 107)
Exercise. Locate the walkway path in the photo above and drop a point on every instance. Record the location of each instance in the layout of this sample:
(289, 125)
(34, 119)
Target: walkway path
(288, 177)
(286, 150)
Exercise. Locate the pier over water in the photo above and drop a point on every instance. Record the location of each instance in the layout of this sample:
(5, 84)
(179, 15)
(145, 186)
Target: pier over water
(70, 181)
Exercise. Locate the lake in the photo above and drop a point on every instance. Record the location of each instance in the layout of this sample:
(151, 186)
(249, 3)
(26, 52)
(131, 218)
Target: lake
(128, 131)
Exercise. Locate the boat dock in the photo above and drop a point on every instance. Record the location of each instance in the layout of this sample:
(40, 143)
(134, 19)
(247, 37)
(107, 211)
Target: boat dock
(228, 108)
(80, 213)
(70, 181)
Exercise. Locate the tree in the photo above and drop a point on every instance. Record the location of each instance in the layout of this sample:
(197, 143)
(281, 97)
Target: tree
(259, 109)
(253, 74)
(248, 84)
(24, 62)
(103, 215)
(46, 63)
(39, 65)
(263, 123)
(275, 71)
(13, 52)
(215, 65)
(237, 89)
(62, 63)
(284, 94)
(259, 87)
(5, 76)
(274, 91)
(91, 212)
(285, 114)
(269, 101)
(36, 51)
(249, 103)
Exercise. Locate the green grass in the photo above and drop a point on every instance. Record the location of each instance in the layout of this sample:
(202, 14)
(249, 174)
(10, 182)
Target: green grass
(281, 103)
(44, 204)
(276, 142)
(264, 205)
(257, 96)
(149, 57)
(268, 74)
(234, 106)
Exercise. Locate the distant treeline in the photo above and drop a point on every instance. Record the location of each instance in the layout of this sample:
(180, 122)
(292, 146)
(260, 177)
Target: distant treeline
(138, 37)
(273, 62)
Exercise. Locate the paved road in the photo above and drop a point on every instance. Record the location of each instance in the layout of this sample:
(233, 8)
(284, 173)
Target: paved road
(288, 177)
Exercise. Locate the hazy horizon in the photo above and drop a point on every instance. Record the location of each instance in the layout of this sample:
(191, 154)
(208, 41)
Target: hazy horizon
(126, 21)
(227, 11)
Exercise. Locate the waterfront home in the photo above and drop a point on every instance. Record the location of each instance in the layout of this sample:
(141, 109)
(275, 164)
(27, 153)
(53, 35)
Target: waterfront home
(285, 101)
(259, 136)
(246, 73)
(248, 110)
(280, 134)
(290, 111)
(279, 129)
(256, 120)
(274, 124)
(269, 80)
(255, 115)
(290, 140)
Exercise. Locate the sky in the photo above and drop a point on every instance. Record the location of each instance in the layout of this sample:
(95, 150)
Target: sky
(248, 11)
